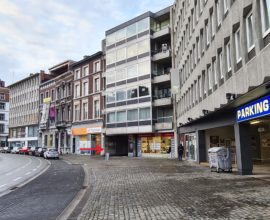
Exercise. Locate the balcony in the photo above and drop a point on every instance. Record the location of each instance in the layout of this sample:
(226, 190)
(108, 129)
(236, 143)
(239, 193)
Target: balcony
(159, 55)
(61, 124)
(161, 76)
(162, 101)
(164, 123)
(160, 32)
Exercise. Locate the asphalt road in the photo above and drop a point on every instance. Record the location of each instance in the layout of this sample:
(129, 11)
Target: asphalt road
(16, 169)
(46, 196)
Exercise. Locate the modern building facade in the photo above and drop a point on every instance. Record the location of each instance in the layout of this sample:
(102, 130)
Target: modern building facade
(4, 114)
(56, 108)
(221, 74)
(139, 107)
(88, 102)
(24, 111)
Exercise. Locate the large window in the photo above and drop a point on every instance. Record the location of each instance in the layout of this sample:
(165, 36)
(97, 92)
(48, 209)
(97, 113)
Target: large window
(110, 77)
(131, 30)
(85, 88)
(249, 32)
(132, 71)
(121, 54)
(237, 45)
(110, 57)
(132, 50)
(97, 66)
(120, 95)
(132, 93)
(143, 46)
(77, 74)
(77, 91)
(144, 68)
(144, 91)
(132, 115)
(85, 71)
(120, 35)
(111, 117)
(121, 116)
(144, 113)
(110, 97)
(120, 74)
(143, 25)
(97, 85)
(265, 13)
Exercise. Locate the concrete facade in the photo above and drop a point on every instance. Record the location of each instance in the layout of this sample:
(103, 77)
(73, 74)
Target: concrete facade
(220, 62)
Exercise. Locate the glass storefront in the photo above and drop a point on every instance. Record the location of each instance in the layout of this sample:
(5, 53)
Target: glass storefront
(190, 147)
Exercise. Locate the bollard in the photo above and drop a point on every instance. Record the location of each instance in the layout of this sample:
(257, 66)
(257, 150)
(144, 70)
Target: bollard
(107, 155)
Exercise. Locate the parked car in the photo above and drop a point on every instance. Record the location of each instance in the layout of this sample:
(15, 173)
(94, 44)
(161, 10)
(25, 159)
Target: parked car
(6, 150)
(15, 150)
(24, 150)
(32, 151)
(40, 151)
(51, 153)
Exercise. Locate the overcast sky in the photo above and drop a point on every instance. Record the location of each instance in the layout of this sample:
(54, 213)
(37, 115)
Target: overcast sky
(37, 34)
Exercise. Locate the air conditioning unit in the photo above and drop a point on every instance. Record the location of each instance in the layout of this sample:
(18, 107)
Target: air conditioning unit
(164, 47)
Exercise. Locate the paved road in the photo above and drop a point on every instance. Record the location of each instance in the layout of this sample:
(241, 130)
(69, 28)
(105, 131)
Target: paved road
(46, 196)
(16, 169)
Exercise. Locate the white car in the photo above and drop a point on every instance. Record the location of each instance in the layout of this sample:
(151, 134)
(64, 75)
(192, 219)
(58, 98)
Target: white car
(51, 153)
(15, 150)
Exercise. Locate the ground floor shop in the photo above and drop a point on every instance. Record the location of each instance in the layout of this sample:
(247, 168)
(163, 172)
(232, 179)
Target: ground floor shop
(4, 141)
(244, 130)
(85, 139)
(141, 145)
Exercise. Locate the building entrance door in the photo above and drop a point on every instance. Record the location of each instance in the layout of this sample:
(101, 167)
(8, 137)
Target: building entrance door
(191, 148)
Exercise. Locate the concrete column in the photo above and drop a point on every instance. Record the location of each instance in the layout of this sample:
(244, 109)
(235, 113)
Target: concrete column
(243, 148)
(53, 141)
(59, 141)
(65, 141)
(201, 146)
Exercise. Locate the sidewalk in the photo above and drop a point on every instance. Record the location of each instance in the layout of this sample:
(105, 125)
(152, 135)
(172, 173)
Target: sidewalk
(139, 188)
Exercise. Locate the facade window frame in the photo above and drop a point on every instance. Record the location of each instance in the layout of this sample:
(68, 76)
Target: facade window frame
(249, 31)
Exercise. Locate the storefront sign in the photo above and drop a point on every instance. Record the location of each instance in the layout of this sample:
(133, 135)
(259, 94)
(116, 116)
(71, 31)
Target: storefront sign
(258, 108)
(85, 131)
(94, 130)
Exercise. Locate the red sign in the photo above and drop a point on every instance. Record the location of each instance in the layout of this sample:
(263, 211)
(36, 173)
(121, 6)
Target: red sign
(98, 149)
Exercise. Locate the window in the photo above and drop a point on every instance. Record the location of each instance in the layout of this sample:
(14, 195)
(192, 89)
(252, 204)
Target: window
(121, 116)
(96, 109)
(265, 13)
(218, 10)
(210, 79)
(132, 93)
(85, 111)
(52, 95)
(220, 62)
(111, 117)
(204, 81)
(228, 56)
(143, 25)
(207, 34)
(97, 84)
(143, 46)
(77, 112)
(121, 54)
(215, 72)
(85, 88)
(120, 74)
(143, 91)
(237, 46)
(249, 30)
(132, 115)
(97, 66)
(144, 113)
(2, 96)
(132, 50)
(226, 5)
(120, 35)
(2, 117)
(2, 106)
(131, 30)
(144, 68)
(77, 74)
(110, 97)
(42, 97)
(212, 24)
(110, 39)
(120, 95)
(110, 77)
(132, 71)
(110, 57)
(77, 91)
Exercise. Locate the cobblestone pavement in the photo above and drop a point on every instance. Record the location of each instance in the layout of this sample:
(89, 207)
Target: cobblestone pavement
(138, 188)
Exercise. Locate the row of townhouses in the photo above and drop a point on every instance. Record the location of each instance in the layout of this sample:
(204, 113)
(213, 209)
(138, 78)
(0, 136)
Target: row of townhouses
(195, 73)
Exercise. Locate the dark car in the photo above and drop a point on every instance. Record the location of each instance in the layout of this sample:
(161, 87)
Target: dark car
(32, 151)
(40, 152)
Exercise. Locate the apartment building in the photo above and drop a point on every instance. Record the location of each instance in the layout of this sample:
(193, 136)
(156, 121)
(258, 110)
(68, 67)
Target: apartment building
(88, 102)
(56, 108)
(221, 78)
(4, 114)
(139, 107)
(24, 110)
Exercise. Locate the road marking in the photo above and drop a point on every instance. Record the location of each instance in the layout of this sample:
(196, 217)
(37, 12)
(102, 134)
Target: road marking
(17, 178)
(3, 185)
(27, 173)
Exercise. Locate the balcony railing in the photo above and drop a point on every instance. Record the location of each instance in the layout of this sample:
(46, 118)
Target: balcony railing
(159, 32)
(161, 54)
(164, 119)
(164, 123)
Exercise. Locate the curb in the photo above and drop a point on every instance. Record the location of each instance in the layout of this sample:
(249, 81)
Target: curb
(67, 212)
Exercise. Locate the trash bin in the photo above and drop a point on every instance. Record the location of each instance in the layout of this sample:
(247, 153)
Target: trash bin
(220, 159)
